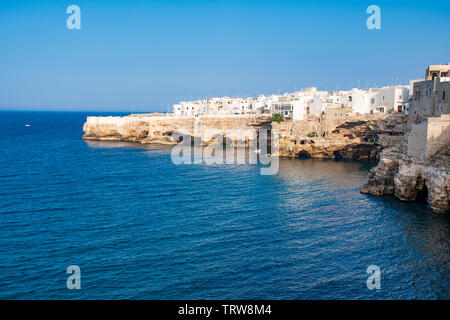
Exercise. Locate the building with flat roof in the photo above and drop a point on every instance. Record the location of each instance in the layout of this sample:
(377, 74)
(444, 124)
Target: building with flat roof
(437, 71)
(431, 98)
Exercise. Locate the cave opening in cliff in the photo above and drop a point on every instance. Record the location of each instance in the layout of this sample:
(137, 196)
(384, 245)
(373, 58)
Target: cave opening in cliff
(422, 194)
(304, 155)
(337, 155)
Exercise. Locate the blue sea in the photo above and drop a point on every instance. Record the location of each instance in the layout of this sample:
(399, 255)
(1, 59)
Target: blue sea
(141, 227)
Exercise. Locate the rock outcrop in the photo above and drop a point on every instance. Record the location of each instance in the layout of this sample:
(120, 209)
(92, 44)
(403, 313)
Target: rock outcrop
(418, 168)
(414, 167)
(163, 129)
(358, 138)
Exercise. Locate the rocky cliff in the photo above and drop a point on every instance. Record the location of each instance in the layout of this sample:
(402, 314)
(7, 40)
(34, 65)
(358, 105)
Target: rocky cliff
(359, 137)
(416, 169)
(161, 129)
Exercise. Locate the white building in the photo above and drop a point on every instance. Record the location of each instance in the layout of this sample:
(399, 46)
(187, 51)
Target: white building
(299, 104)
(392, 99)
(357, 101)
(189, 108)
(316, 105)
(299, 108)
(262, 105)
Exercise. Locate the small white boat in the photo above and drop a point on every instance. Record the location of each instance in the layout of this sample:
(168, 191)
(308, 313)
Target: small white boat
(28, 125)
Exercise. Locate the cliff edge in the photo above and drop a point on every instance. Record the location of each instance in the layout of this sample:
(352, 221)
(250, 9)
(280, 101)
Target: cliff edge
(418, 168)
(359, 137)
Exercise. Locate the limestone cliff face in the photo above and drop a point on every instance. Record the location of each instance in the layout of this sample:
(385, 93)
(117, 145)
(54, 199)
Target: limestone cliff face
(163, 129)
(415, 170)
(359, 138)
(411, 167)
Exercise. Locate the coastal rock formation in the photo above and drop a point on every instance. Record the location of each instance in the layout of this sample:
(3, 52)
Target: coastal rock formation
(358, 137)
(163, 129)
(418, 168)
(414, 167)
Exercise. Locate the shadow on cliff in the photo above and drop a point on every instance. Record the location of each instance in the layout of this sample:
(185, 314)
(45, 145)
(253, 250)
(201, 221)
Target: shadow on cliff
(442, 154)
(416, 185)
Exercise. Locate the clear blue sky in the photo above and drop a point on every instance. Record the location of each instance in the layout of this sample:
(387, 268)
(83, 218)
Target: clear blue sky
(146, 55)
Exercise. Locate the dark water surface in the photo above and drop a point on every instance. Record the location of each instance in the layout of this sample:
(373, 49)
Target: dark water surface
(141, 227)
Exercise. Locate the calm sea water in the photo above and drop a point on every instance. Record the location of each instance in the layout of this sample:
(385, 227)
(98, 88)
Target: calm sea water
(141, 227)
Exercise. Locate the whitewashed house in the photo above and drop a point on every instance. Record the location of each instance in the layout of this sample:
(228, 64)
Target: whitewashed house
(391, 99)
